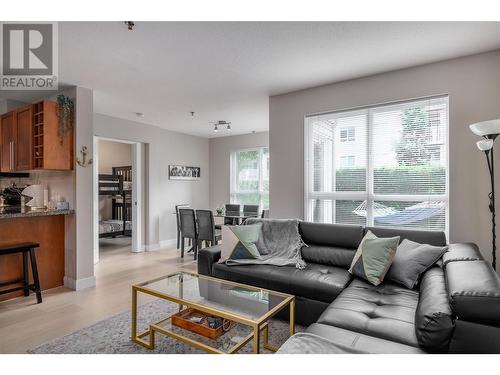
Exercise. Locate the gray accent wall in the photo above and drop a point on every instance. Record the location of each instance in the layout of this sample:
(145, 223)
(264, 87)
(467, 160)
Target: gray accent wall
(220, 162)
(473, 86)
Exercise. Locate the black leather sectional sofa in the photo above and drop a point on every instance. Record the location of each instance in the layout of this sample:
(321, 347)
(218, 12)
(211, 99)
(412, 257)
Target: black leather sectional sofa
(454, 309)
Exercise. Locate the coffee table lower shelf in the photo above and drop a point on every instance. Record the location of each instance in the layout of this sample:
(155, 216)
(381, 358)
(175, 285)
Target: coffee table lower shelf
(226, 343)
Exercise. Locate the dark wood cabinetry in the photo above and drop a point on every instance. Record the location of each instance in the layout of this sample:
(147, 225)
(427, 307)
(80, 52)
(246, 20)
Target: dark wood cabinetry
(7, 132)
(29, 139)
(23, 146)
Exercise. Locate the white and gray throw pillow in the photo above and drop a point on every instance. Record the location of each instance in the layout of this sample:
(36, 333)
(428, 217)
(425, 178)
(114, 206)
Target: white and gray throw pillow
(412, 260)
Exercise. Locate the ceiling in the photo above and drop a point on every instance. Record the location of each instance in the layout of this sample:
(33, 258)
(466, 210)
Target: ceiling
(227, 70)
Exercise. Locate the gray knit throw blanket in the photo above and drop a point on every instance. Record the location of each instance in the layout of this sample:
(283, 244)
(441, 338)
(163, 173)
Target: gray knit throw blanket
(279, 244)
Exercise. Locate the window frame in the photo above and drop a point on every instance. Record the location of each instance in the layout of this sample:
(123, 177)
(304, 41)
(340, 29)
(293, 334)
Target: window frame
(368, 194)
(233, 176)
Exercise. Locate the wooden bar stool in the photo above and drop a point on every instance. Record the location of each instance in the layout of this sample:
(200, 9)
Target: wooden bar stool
(26, 248)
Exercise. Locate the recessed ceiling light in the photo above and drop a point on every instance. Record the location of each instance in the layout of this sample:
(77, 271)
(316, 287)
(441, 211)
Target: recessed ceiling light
(139, 114)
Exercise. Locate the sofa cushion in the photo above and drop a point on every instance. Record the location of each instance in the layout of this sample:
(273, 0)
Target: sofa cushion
(328, 255)
(411, 260)
(434, 319)
(474, 291)
(334, 235)
(386, 311)
(360, 341)
(461, 252)
(316, 281)
(422, 236)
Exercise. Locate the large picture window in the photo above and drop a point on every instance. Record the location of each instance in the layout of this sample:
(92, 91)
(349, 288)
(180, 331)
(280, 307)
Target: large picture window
(250, 177)
(390, 168)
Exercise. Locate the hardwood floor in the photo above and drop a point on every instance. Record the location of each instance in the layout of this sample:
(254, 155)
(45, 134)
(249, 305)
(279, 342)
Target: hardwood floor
(25, 325)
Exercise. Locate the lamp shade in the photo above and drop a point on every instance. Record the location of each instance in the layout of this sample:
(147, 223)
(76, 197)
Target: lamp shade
(485, 144)
(486, 128)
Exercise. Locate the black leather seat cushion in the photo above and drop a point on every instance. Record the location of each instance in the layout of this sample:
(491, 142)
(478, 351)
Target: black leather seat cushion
(317, 282)
(434, 320)
(474, 291)
(386, 311)
(360, 341)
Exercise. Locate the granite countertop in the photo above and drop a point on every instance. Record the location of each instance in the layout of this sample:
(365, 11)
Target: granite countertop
(10, 212)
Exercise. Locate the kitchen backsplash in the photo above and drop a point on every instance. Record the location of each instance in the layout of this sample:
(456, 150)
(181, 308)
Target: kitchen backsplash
(59, 184)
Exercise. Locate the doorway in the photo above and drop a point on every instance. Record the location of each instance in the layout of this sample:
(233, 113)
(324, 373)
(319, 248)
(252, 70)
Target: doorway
(118, 197)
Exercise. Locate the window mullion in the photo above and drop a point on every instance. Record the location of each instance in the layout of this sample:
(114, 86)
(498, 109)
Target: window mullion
(369, 169)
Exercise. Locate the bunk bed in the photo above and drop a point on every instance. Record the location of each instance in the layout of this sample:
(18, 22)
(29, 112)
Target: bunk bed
(118, 187)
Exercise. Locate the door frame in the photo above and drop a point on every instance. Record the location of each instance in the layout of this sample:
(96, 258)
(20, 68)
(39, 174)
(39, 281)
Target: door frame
(138, 194)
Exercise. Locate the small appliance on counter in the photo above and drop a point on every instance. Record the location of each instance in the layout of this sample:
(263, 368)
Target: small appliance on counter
(37, 193)
(11, 196)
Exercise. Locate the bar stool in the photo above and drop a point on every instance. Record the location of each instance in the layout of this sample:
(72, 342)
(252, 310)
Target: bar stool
(25, 248)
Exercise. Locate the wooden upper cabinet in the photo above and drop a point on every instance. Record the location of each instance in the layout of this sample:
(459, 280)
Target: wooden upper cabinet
(30, 139)
(50, 149)
(7, 132)
(23, 146)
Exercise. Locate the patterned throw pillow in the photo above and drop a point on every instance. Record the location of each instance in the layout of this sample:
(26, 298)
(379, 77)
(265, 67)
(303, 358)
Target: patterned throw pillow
(374, 257)
(239, 241)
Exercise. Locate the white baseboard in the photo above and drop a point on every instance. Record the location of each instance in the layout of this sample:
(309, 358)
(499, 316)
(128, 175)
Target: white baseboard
(152, 247)
(164, 244)
(79, 284)
(167, 244)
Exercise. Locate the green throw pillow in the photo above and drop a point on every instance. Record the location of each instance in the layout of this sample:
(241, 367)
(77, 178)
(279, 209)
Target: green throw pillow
(374, 257)
(247, 235)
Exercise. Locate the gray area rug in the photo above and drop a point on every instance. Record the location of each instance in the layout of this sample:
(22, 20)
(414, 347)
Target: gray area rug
(112, 335)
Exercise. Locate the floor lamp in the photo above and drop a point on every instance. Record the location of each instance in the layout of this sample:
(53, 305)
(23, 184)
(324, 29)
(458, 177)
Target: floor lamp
(489, 130)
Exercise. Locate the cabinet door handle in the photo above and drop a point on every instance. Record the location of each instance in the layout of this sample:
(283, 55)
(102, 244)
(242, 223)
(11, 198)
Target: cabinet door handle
(11, 155)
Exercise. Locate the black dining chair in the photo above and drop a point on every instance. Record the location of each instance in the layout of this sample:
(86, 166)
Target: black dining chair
(231, 210)
(265, 214)
(206, 228)
(251, 210)
(189, 229)
(177, 207)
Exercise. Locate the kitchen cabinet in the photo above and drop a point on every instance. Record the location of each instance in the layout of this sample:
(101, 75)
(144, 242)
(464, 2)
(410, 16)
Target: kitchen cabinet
(7, 132)
(30, 139)
(23, 145)
(16, 140)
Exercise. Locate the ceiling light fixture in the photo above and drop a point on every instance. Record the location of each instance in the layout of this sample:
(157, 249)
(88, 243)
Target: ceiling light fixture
(222, 123)
(139, 114)
(130, 25)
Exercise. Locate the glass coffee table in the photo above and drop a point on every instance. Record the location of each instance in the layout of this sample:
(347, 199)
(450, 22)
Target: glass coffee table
(250, 308)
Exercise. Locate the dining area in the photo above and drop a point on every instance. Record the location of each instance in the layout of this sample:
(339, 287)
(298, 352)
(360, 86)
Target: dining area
(198, 228)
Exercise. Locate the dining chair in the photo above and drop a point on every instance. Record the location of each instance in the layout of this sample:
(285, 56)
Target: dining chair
(189, 229)
(265, 214)
(206, 228)
(231, 209)
(251, 210)
(177, 207)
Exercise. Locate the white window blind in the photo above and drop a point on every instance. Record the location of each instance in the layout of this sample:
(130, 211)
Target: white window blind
(390, 170)
(250, 177)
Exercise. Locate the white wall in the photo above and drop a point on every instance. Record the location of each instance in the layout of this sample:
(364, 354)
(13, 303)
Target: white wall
(220, 161)
(111, 154)
(473, 85)
(163, 147)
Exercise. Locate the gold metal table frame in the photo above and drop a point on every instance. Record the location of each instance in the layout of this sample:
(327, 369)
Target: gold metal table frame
(259, 326)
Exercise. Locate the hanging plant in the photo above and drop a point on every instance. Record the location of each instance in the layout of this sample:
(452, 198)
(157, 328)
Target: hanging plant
(66, 115)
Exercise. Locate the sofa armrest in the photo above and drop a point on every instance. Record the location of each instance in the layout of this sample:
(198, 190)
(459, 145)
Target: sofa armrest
(206, 258)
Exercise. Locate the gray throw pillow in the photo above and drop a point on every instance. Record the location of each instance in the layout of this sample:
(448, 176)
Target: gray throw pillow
(412, 260)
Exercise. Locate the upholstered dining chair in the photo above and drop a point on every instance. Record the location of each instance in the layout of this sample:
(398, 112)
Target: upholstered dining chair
(206, 228)
(189, 229)
(177, 207)
(231, 209)
(251, 210)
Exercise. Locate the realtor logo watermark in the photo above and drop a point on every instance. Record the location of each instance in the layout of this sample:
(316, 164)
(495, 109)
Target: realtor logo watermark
(28, 56)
